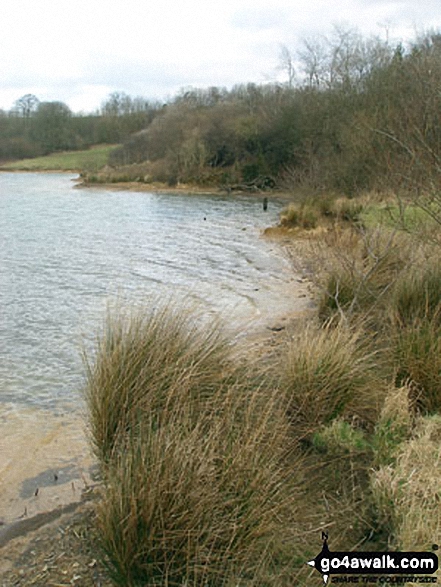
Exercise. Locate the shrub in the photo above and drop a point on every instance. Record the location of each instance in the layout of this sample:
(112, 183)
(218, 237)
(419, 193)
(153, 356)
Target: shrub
(362, 266)
(340, 438)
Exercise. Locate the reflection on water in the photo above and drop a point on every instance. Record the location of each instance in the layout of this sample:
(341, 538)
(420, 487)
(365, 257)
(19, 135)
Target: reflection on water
(65, 252)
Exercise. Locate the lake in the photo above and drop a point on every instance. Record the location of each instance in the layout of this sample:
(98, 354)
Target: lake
(66, 253)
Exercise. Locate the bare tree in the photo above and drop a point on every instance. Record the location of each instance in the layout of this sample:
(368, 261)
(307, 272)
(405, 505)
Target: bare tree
(26, 105)
(342, 60)
(287, 65)
(117, 104)
(411, 132)
(313, 57)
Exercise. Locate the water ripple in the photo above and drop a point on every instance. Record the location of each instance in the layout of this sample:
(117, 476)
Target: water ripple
(64, 253)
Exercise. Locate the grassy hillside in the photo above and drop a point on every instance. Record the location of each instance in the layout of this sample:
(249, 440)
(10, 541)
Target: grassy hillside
(89, 160)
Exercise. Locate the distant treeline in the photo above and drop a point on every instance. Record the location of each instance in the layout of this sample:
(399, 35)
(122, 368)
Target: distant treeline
(360, 113)
(33, 128)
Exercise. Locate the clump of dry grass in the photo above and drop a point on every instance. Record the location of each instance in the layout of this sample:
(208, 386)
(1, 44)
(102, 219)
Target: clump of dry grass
(328, 373)
(413, 314)
(139, 358)
(416, 295)
(323, 210)
(301, 215)
(200, 479)
(361, 267)
(346, 210)
(200, 503)
(417, 354)
(407, 494)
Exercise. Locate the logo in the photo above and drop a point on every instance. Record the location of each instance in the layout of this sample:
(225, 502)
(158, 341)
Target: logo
(408, 564)
(317, 562)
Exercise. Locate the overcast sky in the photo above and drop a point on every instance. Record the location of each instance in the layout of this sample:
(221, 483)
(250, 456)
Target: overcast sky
(79, 51)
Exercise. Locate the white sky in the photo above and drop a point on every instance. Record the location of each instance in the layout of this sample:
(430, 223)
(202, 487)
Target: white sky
(79, 51)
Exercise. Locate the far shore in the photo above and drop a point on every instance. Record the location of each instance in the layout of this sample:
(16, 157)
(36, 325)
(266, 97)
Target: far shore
(185, 189)
(158, 187)
(95, 158)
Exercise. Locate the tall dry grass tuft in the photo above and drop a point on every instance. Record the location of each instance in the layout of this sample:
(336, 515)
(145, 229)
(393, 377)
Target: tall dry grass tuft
(360, 269)
(329, 373)
(414, 316)
(300, 215)
(323, 210)
(200, 504)
(417, 354)
(394, 425)
(138, 358)
(201, 477)
(417, 294)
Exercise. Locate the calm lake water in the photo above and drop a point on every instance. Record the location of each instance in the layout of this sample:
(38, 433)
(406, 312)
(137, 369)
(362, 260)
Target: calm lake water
(65, 253)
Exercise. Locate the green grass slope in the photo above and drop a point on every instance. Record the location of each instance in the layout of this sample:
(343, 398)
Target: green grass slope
(89, 160)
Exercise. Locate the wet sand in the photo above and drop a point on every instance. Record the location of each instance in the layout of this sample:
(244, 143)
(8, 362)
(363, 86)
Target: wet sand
(45, 461)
